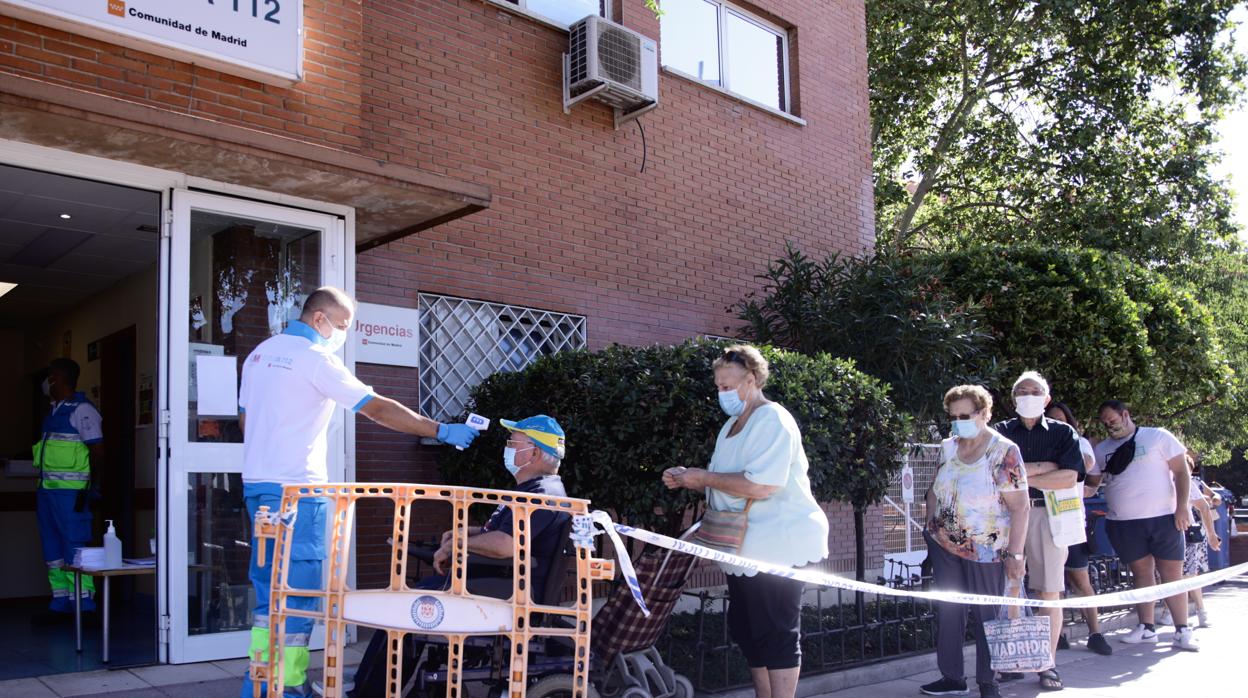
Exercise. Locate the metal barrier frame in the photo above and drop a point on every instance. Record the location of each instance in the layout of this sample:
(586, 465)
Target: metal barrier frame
(342, 497)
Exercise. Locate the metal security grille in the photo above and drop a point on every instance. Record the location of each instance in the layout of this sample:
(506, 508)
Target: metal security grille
(463, 341)
(923, 459)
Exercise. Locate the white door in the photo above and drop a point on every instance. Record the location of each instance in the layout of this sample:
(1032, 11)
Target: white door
(239, 271)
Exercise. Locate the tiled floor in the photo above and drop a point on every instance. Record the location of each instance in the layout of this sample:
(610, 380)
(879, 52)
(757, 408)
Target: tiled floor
(27, 649)
(205, 680)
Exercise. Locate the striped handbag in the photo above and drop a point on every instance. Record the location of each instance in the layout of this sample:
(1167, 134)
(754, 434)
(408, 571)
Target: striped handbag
(723, 530)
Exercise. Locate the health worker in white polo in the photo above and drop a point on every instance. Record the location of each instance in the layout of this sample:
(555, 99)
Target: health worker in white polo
(291, 385)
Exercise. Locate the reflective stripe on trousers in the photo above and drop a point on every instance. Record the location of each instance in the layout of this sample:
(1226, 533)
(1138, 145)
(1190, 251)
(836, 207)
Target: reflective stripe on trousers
(303, 572)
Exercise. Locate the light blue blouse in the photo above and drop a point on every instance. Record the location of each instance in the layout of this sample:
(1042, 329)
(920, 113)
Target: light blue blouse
(787, 528)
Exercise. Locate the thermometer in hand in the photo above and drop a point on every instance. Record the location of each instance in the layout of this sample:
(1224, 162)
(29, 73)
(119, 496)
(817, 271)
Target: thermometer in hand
(477, 422)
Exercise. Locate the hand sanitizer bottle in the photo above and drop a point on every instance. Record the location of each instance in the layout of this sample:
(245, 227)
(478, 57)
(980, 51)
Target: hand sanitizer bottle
(112, 547)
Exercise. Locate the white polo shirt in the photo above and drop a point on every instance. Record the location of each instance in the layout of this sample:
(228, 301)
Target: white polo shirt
(290, 387)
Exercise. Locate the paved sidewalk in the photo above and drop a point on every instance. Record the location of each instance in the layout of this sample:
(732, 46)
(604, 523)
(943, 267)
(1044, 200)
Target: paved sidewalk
(1133, 670)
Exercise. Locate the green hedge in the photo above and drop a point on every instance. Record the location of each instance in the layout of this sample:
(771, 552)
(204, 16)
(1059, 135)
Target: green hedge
(631, 412)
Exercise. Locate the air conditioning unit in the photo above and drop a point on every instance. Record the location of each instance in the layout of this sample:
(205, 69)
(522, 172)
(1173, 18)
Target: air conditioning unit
(612, 64)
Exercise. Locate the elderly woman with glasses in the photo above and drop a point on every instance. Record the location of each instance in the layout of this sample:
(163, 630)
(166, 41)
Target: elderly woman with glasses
(759, 467)
(977, 511)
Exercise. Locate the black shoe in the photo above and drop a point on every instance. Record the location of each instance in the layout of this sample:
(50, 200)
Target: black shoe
(1062, 642)
(1010, 676)
(945, 687)
(989, 690)
(1097, 643)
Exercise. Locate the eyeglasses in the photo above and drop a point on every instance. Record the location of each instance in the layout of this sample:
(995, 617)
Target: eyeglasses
(963, 416)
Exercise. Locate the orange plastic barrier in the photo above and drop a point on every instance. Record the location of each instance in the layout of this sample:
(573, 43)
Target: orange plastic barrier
(399, 610)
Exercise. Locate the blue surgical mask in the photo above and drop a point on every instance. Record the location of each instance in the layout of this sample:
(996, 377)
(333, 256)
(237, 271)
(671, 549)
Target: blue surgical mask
(731, 403)
(965, 428)
(509, 460)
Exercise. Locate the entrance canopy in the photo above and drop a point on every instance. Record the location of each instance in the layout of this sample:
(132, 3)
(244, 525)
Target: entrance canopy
(391, 201)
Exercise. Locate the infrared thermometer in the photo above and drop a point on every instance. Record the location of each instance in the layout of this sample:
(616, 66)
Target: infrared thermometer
(477, 422)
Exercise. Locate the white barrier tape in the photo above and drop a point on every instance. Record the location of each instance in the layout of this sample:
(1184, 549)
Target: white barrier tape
(621, 553)
(583, 531)
(1119, 598)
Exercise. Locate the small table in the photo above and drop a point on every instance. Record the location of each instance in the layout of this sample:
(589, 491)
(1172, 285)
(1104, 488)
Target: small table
(107, 573)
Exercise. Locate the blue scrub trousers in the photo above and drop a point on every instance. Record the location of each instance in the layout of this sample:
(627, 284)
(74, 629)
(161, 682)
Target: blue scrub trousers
(307, 552)
(61, 530)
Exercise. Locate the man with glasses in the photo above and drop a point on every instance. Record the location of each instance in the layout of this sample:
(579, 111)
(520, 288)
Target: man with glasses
(1050, 450)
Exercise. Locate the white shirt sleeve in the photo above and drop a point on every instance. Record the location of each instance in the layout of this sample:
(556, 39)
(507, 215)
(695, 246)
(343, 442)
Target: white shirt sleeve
(86, 419)
(1169, 445)
(770, 452)
(335, 382)
(1085, 448)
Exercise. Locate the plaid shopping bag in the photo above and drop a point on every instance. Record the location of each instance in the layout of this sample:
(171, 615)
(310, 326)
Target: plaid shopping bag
(620, 626)
(1018, 644)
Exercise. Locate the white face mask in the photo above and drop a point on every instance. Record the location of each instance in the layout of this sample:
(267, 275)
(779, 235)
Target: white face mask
(1029, 406)
(336, 339)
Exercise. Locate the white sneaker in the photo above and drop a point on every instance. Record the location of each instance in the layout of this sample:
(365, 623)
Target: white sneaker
(1185, 639)
(1204, 617)
(1164, 617)
(1140, 635)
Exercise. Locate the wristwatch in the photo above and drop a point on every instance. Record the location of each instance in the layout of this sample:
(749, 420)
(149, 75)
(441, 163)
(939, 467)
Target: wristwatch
(1014, 556)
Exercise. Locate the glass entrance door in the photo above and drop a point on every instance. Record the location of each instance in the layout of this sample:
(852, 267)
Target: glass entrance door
(240, 271)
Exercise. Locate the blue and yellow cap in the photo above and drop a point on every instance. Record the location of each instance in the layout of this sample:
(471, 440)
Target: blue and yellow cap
(544, 431)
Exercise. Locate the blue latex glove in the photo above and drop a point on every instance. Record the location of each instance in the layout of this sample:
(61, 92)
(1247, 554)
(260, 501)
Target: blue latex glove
(459, 435)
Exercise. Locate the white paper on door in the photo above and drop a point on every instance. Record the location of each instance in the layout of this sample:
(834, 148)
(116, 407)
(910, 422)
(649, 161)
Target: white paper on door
(218, 385)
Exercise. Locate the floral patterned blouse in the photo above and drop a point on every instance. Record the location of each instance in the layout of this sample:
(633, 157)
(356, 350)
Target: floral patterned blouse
(971, 519)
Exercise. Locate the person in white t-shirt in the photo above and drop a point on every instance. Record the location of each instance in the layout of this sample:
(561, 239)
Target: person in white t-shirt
(292, 383)
(1145, 468)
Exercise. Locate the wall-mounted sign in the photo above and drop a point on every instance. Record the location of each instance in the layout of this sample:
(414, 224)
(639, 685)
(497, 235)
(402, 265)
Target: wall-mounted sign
(384, 334)
(258, 39)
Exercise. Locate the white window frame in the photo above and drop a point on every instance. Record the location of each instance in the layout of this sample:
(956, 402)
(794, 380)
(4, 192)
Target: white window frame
(450, 345)
(723, 9)
(521, 7)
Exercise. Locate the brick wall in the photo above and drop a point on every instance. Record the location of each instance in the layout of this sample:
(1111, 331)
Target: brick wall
(466, 89)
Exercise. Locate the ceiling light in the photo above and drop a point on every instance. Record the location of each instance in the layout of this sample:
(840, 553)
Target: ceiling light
(66, 216)
(5, 287)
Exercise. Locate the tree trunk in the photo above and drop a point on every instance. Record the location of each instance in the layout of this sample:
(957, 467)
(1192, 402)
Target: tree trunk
(860, 563)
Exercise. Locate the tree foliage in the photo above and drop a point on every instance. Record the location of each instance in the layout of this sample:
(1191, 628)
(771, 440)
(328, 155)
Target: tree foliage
(1097, 324)
(893, 318)
(1070, 122)
(1079, 125)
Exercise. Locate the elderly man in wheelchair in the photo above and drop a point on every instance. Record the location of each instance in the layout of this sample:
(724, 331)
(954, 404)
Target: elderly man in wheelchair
(532, 456)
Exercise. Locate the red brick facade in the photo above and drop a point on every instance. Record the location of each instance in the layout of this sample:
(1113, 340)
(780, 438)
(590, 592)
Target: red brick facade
(467, 89)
